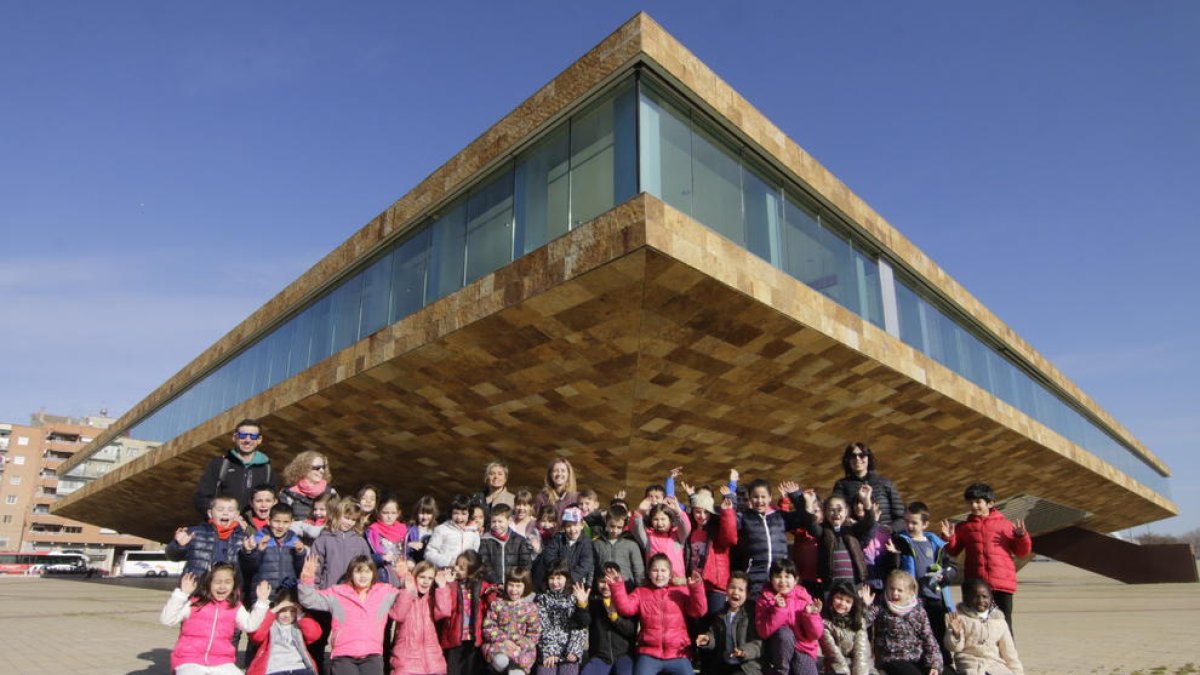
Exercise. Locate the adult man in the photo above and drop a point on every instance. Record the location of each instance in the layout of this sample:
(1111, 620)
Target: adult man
(237, 472)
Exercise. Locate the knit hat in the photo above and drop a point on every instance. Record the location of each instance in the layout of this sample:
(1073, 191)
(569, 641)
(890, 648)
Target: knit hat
(704, 502)
(572, 515)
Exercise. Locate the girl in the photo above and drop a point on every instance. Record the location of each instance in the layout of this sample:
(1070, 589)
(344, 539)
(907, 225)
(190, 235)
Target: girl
(663, 645)
(788, 620)
(845, 643)
(368, 500)
(461, 634)
(560, 490)
(610, 639)
(387, 535)
(762, 532)
(523, 521)
(281, 639)
(359, 606)
(419, 605)
(547, 526)
(668, 533)
(709, 544)
(978, 636)
(840, 542)
(306, 479)
(564, 619)
(210, 612)
(310, 528)
(424, 518)
(904, 642)
(512, 627)
(340, 543)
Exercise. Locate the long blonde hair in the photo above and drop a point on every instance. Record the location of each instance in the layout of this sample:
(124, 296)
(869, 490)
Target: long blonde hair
(549, 490)
(302, 464)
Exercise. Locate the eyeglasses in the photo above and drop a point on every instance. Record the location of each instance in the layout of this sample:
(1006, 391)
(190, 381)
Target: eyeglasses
(317, 467)
(858, 455)
(243, 436)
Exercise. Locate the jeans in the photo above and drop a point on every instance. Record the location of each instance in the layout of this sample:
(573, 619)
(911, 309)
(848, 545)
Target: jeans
(648, 665)
(597, 666)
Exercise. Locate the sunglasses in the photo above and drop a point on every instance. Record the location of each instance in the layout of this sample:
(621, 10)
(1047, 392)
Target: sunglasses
(244, 436)
(859, 455)
(317, 467)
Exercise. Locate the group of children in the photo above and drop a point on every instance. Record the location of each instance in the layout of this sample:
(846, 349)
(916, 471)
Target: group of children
(734, 582)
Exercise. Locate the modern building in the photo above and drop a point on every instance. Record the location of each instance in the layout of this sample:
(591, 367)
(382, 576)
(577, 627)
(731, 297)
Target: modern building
(30, 483)
(634, 269)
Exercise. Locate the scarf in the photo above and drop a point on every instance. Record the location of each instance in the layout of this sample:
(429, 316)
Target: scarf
(902, 609)
(501, 537)
(223, 532)
(310, 489)
(396, 532)
(258, 523)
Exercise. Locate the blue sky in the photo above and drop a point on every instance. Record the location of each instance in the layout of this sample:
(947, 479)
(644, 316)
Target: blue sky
(165, 168)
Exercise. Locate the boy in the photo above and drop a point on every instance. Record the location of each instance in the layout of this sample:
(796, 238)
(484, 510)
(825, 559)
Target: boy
(570, 546)
(217, 540)
(452, 537)
(274, 554)
(593, 517)
(920, 553)
(502, 549)
(617, 546)
(258, 512)
(991, 542)
(732, 635)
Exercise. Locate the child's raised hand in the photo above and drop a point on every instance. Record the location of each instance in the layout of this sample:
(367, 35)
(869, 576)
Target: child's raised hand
(612, 576)
(810, 497)
(954, 623)
(864, 493)
(725, 491)
(672, 503)
(813, 607)
(311, 564)
(703, 640)
(867, 595)
(726, 503)
(644, 506)
(620, 496)
(401, 566)
(443, 577)
(787, 487)
(262, 592)
(687, 487)
(695, 578)
(183, 537)
(733, 475)
(187, 583)
(298, 545)
(677, 472)
(241, 520)
(1019, 527)
(678, 581)
(947, 529)
(248, 544)
(891, 546)
(581, 593)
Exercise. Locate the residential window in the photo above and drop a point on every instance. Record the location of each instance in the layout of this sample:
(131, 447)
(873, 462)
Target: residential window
(19, 460)
(10, 499)
(7, 519)
(15, 480)
(22, 440)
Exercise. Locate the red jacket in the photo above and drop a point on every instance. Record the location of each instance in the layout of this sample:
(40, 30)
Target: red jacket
(716, 564)
(310, 630)
(450, 628)
(663, 632)
(990, 545)
(806, 628)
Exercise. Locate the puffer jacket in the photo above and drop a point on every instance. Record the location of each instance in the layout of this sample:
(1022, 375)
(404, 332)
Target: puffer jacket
(611, 635)
(806, 626)
(990, 545)
(307, 631)
(851, 536)
(450, 629)
(847, 651)
(336, 550)
(762, 539)
(206, 631)
(301, 504)
(447, 542)
(512, 628)
(358, 622)
(579, 557)
(664, 613)
(883, 492)
(279, 563)
(564, 626)
(721, 540)
(415, 648)
(206, 549)
(501, 556)
(985, 646)
(906, 560)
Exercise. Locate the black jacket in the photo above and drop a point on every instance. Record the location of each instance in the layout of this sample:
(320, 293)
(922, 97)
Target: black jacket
(279, 563)
(501, 556)
(609, 638)
(883, 492)
(762, 539)
(745, 638)
(580, 558)
(206, 549)
(228, 475)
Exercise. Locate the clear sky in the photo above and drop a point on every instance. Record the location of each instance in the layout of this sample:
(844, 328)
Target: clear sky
(165, 168)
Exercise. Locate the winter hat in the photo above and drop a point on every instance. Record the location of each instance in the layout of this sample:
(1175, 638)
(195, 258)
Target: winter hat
(704, 502)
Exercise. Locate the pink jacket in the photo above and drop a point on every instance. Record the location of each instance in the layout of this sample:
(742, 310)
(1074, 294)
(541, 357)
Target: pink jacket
(358, 623)
(416, 648)
(990, 545)
(769, 618)
(663, 633)
(206, 631)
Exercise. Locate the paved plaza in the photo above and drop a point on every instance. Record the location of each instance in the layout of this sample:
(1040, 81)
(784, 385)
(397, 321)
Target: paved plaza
(1068, 621)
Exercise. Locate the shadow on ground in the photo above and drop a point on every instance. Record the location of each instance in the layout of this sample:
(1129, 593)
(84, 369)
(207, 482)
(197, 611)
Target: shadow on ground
(159, 662)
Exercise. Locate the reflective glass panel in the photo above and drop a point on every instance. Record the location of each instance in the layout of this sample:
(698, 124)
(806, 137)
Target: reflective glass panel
(543, 199)
(490, 227)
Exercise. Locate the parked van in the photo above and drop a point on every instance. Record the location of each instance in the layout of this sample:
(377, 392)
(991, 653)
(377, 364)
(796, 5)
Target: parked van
(149, 564)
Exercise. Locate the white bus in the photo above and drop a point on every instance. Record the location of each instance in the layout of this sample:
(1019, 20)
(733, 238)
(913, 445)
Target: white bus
(149, 564)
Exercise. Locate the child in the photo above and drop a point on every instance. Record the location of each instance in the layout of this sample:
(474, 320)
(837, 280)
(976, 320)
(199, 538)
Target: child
(478, 522)
(420, 529)
(570, 547)
(210, 612)
(617, 546)
(593, 517)
(258, 512)
(368, 500)
(547, 525)
(979, 637)
(386, 536)
(921, 554)
(204, 545)
(460, 635)
(453, 536)
(839, 542)
(274, 554)
(788, 620)
(359, 606)
(732, 637)
(710, 543)
(668, 533)
(281, 638)
(991, 542)
(904, 642)
(502, 548)
(875, 545)
(845, 642)
(564, 618)
(340, 543)
(524, 522)
(663, 644)
(512, 627)
(762, 533)
(311, 527)
(416, 650)
(610, 638)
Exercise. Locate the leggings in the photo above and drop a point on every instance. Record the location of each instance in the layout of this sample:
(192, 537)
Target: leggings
(355, 665)
(648, 665)
(561, 669)
(598, 666)
(902, 668)
(784, 659)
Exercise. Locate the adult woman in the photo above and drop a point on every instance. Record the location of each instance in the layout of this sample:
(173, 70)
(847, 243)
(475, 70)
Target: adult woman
(859, 464)
(495, 486)
(306, 479)
(560, 490)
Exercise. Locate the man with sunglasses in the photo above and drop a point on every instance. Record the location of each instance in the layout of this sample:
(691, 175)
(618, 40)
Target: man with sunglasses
(239, 471)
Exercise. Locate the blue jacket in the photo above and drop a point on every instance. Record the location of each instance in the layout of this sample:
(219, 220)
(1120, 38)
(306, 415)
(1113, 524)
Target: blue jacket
(206, 549)
(762, 539)
(908, 562)
(279, 563)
